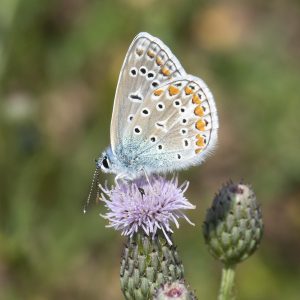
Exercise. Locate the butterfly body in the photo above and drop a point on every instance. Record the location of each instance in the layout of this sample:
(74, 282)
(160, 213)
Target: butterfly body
(163, 119)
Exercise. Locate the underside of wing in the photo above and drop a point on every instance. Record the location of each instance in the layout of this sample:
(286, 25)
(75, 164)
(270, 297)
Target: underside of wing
(177, 124)
(148, 64)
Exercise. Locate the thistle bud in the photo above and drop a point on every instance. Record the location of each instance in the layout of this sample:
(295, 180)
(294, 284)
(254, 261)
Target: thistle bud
(146, 264)
(233, 226)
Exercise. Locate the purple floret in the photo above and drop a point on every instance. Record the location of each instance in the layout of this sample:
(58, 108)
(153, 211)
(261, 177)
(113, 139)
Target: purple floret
(138, 205)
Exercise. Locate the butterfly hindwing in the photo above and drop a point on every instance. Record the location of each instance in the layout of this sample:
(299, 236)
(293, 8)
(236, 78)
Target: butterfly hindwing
(177, 123)
(148, 64)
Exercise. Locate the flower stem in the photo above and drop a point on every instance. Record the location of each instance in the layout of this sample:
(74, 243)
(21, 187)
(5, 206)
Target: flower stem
(227, 283)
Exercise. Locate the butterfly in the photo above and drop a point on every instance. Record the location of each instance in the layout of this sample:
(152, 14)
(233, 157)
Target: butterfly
(163, 119)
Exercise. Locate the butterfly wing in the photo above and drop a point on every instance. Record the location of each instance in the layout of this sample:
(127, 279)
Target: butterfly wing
(148, 64)
(177, 123)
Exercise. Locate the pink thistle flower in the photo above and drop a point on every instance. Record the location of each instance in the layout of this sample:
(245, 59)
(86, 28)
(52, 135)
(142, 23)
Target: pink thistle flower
(137, 205)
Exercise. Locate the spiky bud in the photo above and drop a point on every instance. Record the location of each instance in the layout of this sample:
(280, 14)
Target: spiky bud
(147, 263)
(174, 291)
(233, 226)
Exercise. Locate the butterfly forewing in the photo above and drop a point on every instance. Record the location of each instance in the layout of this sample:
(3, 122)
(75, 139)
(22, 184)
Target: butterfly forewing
(148, 64)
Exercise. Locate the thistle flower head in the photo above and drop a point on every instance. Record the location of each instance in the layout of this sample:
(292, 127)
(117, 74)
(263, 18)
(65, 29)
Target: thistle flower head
(139, 205)
(176, 290)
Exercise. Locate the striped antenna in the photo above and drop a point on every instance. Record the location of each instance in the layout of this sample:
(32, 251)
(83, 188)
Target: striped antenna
(94, 190)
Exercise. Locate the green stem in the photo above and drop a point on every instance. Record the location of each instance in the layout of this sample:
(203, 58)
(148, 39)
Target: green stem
(227, 283)
(7, 19)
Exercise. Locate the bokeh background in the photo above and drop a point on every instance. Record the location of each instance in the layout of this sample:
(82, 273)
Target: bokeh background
(59, 64)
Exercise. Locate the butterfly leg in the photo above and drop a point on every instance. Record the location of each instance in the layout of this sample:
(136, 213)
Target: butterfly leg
(120, 177)
(148, 180)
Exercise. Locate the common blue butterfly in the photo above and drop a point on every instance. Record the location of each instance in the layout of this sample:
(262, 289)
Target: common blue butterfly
(163, 118)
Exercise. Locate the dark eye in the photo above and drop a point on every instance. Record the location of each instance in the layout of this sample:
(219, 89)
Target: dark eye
(105, 162)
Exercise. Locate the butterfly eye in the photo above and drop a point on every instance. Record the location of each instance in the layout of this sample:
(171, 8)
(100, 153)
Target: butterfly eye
(105, 163)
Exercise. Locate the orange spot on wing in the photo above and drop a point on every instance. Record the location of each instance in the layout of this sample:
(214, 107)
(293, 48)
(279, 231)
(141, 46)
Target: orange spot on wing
(159, 61)
(200, 140)
(196, 99)
(188, 90)
(150, 53)
(165, 71)
(200, 125)
(198, 150)
(158, 92)
(199, 111)
(173, 90)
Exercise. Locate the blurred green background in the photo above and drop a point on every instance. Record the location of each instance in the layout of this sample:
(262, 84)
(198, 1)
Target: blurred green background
(59, 64)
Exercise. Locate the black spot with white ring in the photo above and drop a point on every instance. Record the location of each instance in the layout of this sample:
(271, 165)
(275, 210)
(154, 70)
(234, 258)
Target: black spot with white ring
(160, 106)
(155, 84)
(178, 156)
(177, 103)
(145, 112)
(183, 131)
(184, 121)
(159, 125)
(130, 117)
(137, 130)
(150, 75)
(143, 70)
(135, 97)
(159, 147)
(153, 139)
(133, 72)
(186, 143)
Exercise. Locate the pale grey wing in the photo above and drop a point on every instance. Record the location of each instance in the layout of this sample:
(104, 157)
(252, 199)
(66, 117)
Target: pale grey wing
(148, 64)
(177, 123)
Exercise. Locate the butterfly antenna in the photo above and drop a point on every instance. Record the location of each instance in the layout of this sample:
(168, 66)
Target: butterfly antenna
(93, 190)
